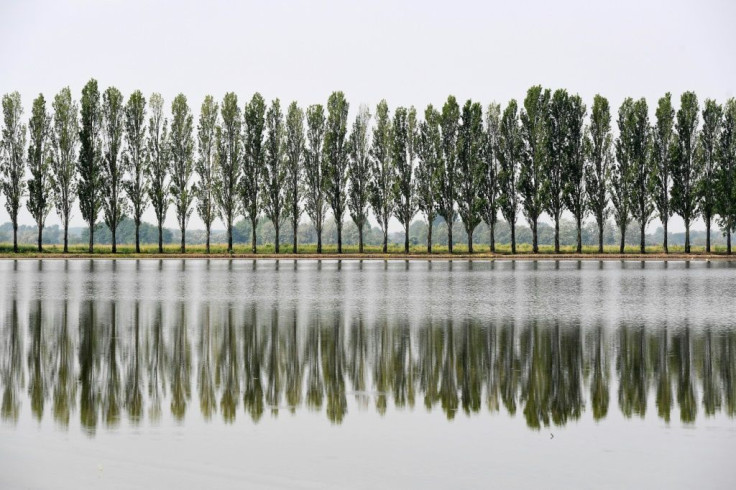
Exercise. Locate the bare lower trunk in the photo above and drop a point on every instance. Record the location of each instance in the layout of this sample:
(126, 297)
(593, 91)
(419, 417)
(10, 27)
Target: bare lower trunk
(276, 239)
(449, 236)
(470, 241)
(296, 230)
(183, 239)
(360, 239)
(91, 236)
(429, 237)
(66, 235)
(707, 235)
(114, 240)
(40, 237)
(687, 236)
(339, 236)
(600, 236)
(513, 238)
(535, 242)
(253, 223)
(580, 234)
(138, 237)
(385, 239)
(623, 239)
(557, 234)
(207, 239)
(406, 239)
(319, 240)
(728, 240)
(642, 239)
(230, 237)
(160, 238)
(664, 242)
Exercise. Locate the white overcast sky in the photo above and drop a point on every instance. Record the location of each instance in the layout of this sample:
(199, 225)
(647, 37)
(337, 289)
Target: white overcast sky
(410, 53)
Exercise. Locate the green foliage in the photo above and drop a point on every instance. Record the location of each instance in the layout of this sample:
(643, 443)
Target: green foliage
(315, 201)
(470, 167)
(663, 149)
(642, 205)
(449, 121)
(359, 170)
(726, 174)
(686, 169)
(12, 164)
(598, 149)
(623, 172)
(429, 168)
(708, 161)
(509, 156)
(113, 170)
(205, 164)
(490, 185)
(65, 134)
(575, 198)
(403, 154)
(274, 171)
(89, 168)
(294, 155)
(135, 155)
(229, 162)
(181, 144)
(158, 161)
(253, 158)
(39, 153)
(335, 156)
(382, 164)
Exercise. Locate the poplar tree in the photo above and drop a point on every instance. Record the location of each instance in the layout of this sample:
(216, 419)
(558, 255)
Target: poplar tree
(205, 166)
(229, 163)
(12, 162)
(253, 157)
(429, 152)
(726, 174)
(470, 168)
(135, 157)
(555, 120)
(359, 172)
(382, 170)
(449, 121)
(403, 156)
(315, 203)
(294, 154)
(575, 197)
(599, 160)
(663, 148)
(274, 170)
(685, 171)
(642, 206)
(336, 159)
(64, 137)
(113, 170)
(708, 156)
(531, 174)
(490, 191)
(181, 144)
(510, 148)
(623, 171)
(89, 167)
(158, 163)
(39, 153)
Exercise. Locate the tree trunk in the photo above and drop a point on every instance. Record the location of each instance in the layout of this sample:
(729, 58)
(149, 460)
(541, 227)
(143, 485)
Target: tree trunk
(580, 234)
(557, 233)
(137, 237)
(406, 239)
(66, 235)
(429, 237)
(493, 236)
(535, 242)
(207, 239)
(114, 241)
(687, 236)
(230, 237)
(40, 237)
(360, 239)
(276, 239)
(707, 234)
(296, 231)
(664, 242)
(385, 239)
(470, 241)
(253, 223)
(339, 236)
(319, 240)
(642, 239)
(728, 240)
(160, 238)
(513, 238)
(183, 239)
(449, 236)
(91, 236)
(600, 236)
(623, 238)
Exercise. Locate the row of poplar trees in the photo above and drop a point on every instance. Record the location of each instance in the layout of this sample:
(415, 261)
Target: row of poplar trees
(118, 157)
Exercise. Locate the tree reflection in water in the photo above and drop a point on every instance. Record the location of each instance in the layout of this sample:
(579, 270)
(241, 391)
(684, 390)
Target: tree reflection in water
(134, 359)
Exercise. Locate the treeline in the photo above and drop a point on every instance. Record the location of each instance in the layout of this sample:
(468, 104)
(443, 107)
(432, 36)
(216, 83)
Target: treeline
(465, 164)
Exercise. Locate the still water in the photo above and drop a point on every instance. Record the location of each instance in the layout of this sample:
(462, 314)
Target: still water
(340, 374)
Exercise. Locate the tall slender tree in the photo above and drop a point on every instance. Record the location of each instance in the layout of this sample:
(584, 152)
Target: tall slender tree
(113, 168)
(662, 154)
(336, 159)
(229, 163)
(205, 166)
(382, 170)
(708, 156)
(12, 159)
(315, 201)
(531, 174)
(726, 176)
(429, 167)
(555, 120)
(359, 172)
(623, 170)
(294, 154)
(449, 121)
(254, 117)
(158, 155)
(469, 168)
(510, 148)
(686, 171)
(64, 137)
(181, 144)
(89, 168)
(274, 170)
(403, 155)
(575, 197)
(39, 153)
(642, 205)
(135, 157)
(599, 143)
(489, 190)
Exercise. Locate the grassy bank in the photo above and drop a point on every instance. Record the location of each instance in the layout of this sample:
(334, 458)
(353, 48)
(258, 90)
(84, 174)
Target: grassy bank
(524, 251)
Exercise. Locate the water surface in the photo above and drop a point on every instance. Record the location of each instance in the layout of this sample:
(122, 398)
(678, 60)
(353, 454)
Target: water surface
(163, 373)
